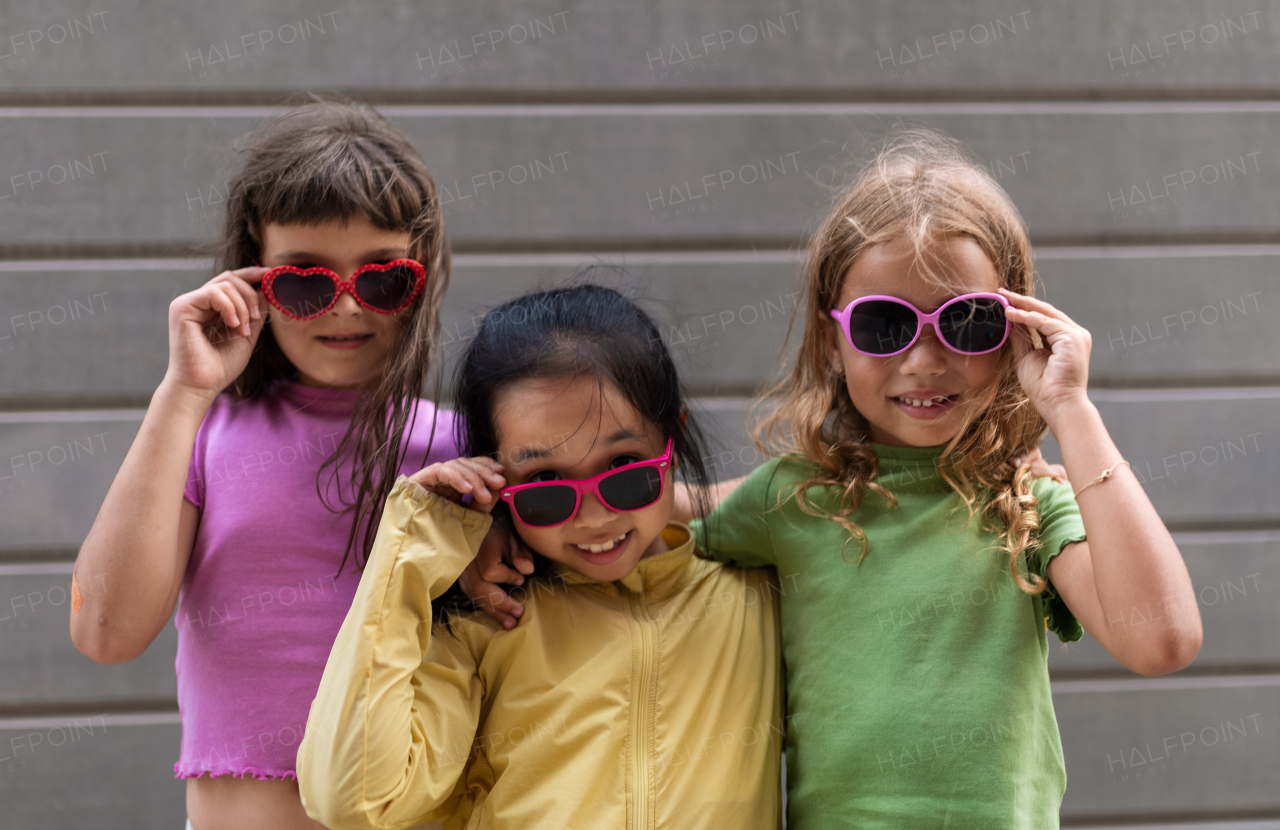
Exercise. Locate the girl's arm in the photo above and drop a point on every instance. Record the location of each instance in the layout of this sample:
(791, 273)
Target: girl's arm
(1127, 585)
(504, 561)
(392, 725)
(131, 565)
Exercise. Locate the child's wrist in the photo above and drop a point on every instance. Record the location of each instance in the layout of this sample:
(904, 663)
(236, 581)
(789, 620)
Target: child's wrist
(174, 394)
(1076, 411)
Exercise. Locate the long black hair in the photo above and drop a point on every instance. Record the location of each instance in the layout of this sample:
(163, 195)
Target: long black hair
(584, 330)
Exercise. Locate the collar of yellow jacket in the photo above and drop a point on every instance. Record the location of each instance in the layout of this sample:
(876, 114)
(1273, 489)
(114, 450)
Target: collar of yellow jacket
(658, 576)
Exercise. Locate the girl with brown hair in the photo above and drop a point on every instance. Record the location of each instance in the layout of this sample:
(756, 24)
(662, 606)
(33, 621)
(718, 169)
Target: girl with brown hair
(242, 508)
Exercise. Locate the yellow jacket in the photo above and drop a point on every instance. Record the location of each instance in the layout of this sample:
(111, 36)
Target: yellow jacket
(651, 702)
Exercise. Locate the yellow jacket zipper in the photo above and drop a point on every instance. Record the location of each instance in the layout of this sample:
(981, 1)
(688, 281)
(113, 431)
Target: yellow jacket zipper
(641, 719)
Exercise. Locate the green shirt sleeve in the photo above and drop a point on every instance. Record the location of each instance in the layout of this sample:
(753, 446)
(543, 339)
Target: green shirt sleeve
(1060, 525)
(737, 531)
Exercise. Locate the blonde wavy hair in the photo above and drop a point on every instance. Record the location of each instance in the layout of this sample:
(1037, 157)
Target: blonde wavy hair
(921, 187)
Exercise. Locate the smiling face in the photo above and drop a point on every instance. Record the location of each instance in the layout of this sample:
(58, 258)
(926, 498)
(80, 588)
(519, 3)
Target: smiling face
(348, 343)
(569, 428)
(921, 397)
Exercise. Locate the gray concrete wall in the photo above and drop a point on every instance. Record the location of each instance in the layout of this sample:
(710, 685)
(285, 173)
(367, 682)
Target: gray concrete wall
(697, 145)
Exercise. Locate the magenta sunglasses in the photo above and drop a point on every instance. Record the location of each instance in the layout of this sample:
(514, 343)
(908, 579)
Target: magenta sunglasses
(884, 326)
(622, 489)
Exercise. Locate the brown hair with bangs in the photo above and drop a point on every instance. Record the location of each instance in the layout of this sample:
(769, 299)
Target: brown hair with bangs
(922, 186)
(333, 159)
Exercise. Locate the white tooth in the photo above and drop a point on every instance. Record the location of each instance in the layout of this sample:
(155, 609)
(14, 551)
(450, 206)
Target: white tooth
(929, 402)
(603, 546)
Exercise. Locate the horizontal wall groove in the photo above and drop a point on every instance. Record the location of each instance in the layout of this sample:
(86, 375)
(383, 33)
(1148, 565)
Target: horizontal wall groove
(58, 409)
(193, 253)
(613, 96)
(1256, 819)
(37, 409)
(1168, 683)
(14, 714)
(1231, 676)
(159, 712)
(570, 258)
(37, 557)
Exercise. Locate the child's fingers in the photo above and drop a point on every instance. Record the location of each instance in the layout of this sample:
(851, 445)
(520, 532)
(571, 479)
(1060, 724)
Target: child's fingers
(242, 281)
(489, 597)
(467, 480)
(500, 572)
(251, 275)
(242, 324)
(522, 558)
(1028, 303)
(450, 480)
(485, 468)
(1049, 327)
(1022, 341)
(486, 462)
(489, 560)
(224, 306)
(504, 608)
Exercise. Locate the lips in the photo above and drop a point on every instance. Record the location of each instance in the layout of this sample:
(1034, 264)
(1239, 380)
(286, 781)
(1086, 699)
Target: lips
(925, 405)
(344, 341)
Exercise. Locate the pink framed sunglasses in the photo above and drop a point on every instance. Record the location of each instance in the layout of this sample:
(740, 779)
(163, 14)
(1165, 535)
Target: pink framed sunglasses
(884, 326)
(382, 287)
(623, 489)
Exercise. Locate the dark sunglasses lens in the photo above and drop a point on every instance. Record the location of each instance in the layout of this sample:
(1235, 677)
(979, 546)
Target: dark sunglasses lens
(548, 505)
(632, 489)
(882, 326)
(303, 295)
(386, 290)
(973, 325)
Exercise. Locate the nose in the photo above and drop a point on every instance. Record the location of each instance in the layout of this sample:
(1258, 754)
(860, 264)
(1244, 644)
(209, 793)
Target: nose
(346, 306)
(926, 357)
(592, 514)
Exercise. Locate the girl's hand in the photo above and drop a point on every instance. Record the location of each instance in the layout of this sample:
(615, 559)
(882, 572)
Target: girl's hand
(481, 477)
(1057, 376)
(502, 560)
(212, 332)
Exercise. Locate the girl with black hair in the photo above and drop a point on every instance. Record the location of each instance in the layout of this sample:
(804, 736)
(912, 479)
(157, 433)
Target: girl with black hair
(643, 685)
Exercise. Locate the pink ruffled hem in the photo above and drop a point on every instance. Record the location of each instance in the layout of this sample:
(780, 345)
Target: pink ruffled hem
(261, 775)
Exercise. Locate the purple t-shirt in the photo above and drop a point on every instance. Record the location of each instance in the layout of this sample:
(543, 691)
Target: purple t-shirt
(262, 599)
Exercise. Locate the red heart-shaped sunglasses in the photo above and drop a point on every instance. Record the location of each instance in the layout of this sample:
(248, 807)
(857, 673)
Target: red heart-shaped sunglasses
(383, 287)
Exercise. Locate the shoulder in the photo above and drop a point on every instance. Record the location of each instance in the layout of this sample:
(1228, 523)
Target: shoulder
(779, 472)
(1052, 494)
(227, 413)
(776, 482)
(467, 630)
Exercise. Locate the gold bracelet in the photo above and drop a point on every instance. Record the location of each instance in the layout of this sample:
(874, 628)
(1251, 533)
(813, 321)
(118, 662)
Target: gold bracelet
(1106, 475)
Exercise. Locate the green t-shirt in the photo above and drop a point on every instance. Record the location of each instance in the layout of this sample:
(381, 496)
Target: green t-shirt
(917, 684)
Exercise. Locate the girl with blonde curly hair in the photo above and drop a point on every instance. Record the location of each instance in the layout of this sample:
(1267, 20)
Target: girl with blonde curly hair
(928, 569)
